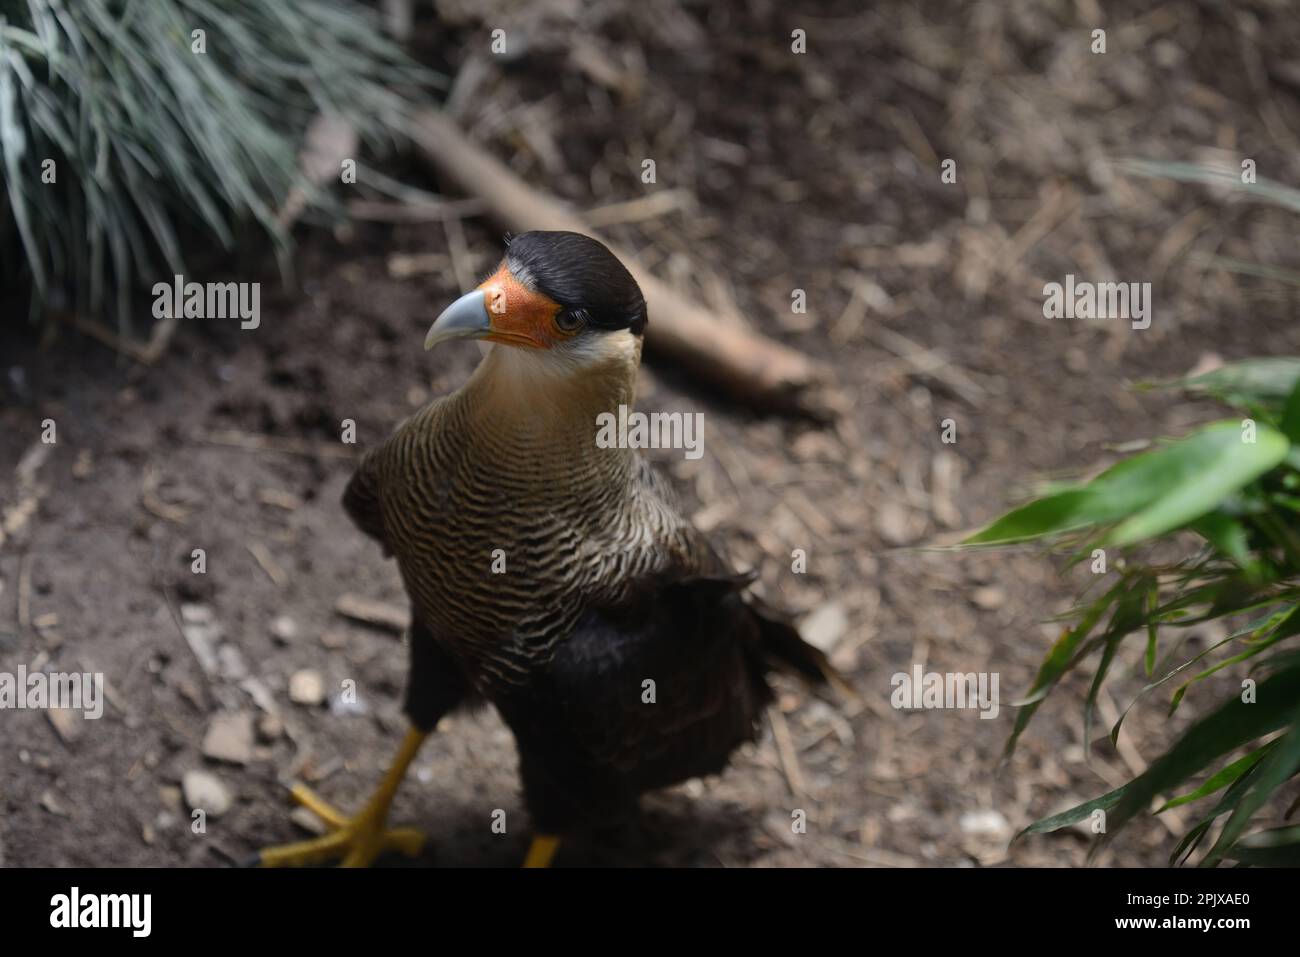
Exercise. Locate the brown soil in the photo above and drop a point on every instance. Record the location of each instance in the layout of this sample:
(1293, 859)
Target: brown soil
(817, 172)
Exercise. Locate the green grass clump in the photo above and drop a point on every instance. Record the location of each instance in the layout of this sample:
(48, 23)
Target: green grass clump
(155, 144)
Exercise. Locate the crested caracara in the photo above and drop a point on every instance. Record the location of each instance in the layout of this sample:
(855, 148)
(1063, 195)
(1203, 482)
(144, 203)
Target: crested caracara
(550, 575)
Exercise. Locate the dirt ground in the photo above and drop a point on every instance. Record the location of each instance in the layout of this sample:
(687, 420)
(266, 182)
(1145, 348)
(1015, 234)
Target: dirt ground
(818, 172)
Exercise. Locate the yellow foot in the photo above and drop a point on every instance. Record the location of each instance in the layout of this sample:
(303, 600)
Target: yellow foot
(542, 850)
(357, 841)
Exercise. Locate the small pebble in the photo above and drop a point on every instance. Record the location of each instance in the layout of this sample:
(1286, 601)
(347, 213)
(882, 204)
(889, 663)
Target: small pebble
(990, 597)
(230, 738)
(204, 792)
(50, 801)
(306, 820)
(894, 524)
(306, 687)
(284, 629)
(825, 626)
(269, 727)
(984, 822)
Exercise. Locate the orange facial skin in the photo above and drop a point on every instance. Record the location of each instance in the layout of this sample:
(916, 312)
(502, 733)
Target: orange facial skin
(520, 316)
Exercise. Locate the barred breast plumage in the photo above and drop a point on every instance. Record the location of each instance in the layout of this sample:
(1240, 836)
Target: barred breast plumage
(508, 521)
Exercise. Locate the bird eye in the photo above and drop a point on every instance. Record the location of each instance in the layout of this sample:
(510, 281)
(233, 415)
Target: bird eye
(568, 320)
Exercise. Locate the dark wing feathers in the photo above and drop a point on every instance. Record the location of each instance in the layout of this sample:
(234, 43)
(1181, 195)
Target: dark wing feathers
(706, 646)
(691, 638)
(590, 740)
(785, 648)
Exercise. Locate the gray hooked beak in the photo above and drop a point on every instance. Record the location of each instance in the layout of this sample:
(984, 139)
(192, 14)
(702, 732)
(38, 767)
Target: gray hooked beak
(466, 318)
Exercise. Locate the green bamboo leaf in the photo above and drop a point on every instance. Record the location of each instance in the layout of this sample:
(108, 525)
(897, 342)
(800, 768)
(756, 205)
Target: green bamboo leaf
(1258, 382)
(1197, 473)
(1290, 424)
(1230, 537)
(1058, 659)
(1192, 839)
(1280, 765)
(1284, 624)
(1232, 725)
(1128, 615)
(1103, 668)
(1276, 847)
(1174, 672)
(1050, 515)
(1189, 843)
(1220, 780)
(1075, 814)
(1155, 492)
(1153, 625)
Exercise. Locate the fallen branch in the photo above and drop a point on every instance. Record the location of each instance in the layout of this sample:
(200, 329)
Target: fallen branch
(254, 442)
(371, 611)
(262, 555)
(743, 363)
(785, 749)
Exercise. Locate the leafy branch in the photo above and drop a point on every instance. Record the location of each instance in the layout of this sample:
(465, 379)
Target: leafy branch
(1234, 486)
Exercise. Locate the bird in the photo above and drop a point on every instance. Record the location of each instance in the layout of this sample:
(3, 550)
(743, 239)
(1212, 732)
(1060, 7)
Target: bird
(554, 576)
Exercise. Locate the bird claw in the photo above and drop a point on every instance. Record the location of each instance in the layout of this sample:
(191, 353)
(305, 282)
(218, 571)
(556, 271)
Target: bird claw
(357, 840)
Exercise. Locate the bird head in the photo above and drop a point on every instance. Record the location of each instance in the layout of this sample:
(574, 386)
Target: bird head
(562, 297)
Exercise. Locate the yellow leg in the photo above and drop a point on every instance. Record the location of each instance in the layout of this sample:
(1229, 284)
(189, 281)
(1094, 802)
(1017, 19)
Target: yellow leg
(359, 840)
(541, 850)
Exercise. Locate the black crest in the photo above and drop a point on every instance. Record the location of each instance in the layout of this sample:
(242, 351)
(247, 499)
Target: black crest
(582, 275)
